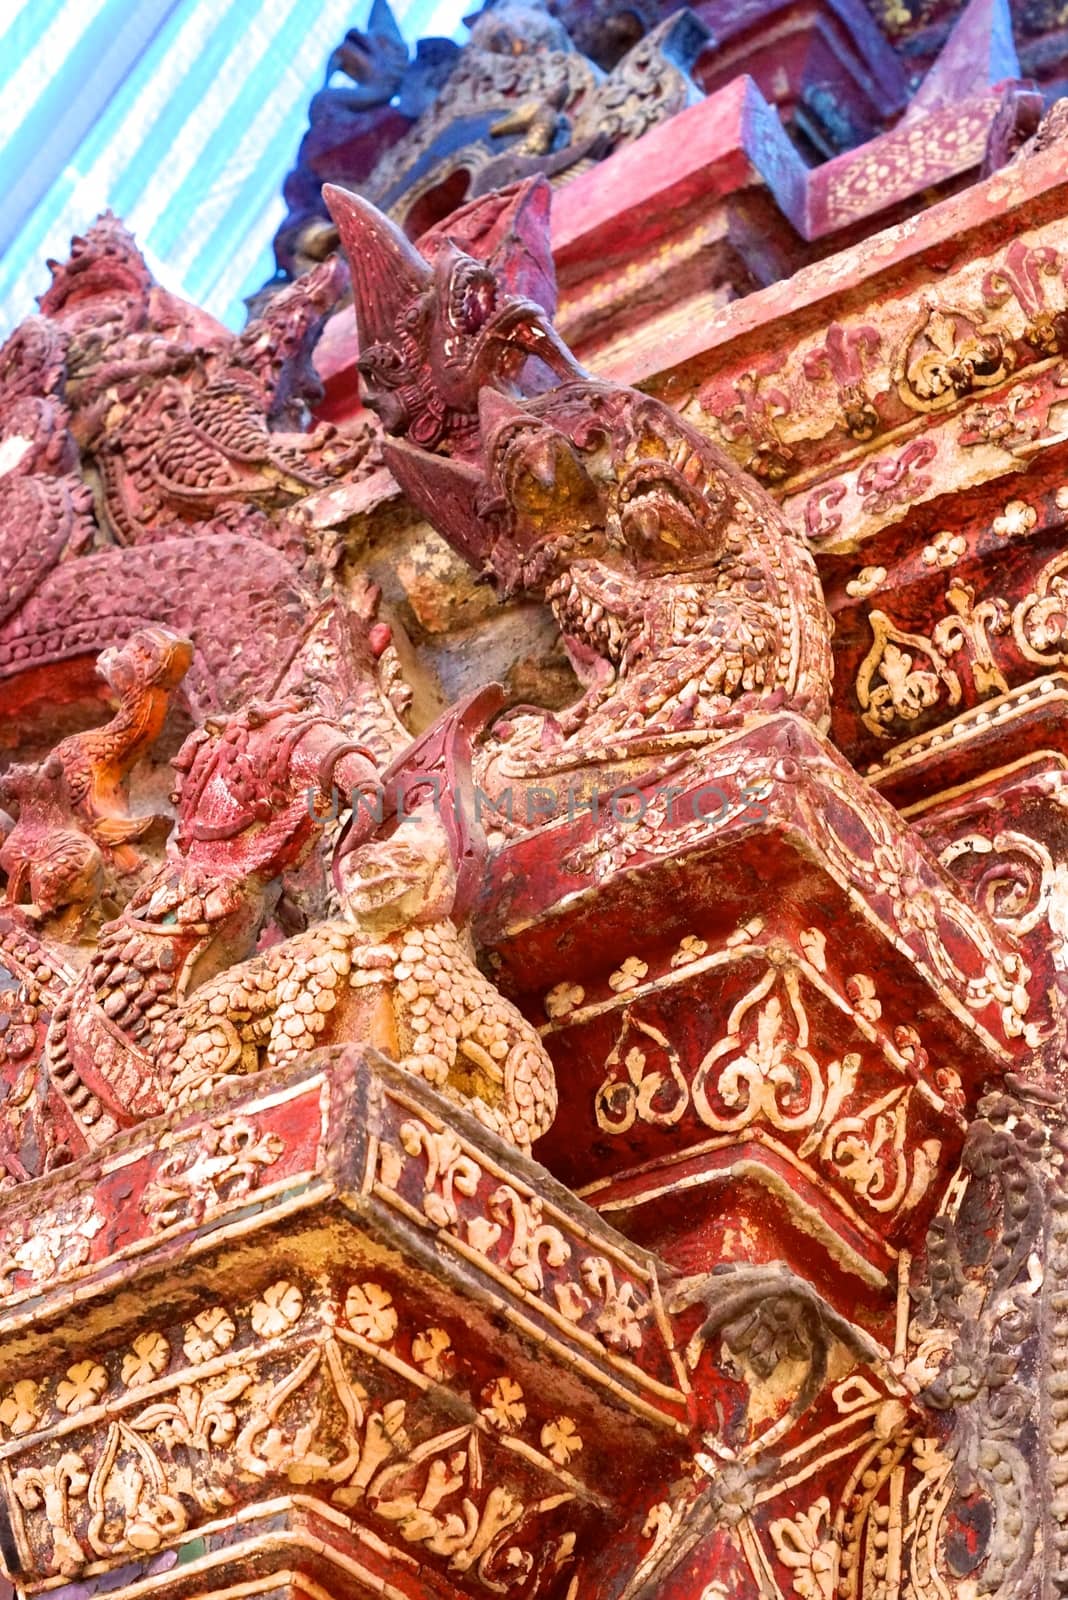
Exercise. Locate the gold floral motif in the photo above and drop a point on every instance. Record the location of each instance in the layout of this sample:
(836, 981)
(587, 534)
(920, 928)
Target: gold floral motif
(947, 354)
(629, 975)
(968, 627)
(891, 686)
(513, 1234)
(277, 1309)
(19, 1411)
(535, 1243)
(563, 998)
(313, 1425)
(1017, 519)
(208, 1334)
(560, 1439)
(505, 1407)
(289, 1439)
(763, 1069)
(637, 1093)
(1009, 424)
(369, 1311)
(54, 1489)
(806, 1545)
(690, 949)
(129, 1497)
(872, 1153)
(437, 1497)
(945, 550)
(147, 1357)
(83, 1386)
(860, 989)
(1019, 876)
(449, 1170)
(198, 1416)
(618, 1309)
(661, 1522)
(432, 1353)
(44, 1251)
(1040, 621)
(866, 582)
(906, 691)
(208, 1168)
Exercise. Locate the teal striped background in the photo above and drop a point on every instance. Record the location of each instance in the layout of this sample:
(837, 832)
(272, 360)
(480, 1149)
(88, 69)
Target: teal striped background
(183, 116)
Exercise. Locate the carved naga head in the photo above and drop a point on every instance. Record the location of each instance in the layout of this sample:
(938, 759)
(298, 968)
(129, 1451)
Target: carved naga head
(104, 283)
(540, 506)
(274, 353)
(439, 323)
(151, 658)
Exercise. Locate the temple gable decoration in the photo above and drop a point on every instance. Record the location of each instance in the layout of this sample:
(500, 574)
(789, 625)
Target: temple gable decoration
(532, 911)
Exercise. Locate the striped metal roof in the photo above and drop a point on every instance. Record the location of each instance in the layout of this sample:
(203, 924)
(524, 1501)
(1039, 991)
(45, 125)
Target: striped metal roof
(183, 116)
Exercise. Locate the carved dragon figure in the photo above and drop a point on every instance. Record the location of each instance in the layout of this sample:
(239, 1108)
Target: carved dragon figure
(683, 595)
(173, 998)
(183, 428)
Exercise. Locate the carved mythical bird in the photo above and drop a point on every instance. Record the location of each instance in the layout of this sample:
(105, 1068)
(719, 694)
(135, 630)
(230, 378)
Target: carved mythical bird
(75, 830)
(253, 796)
(682, 592)
(395, 972)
